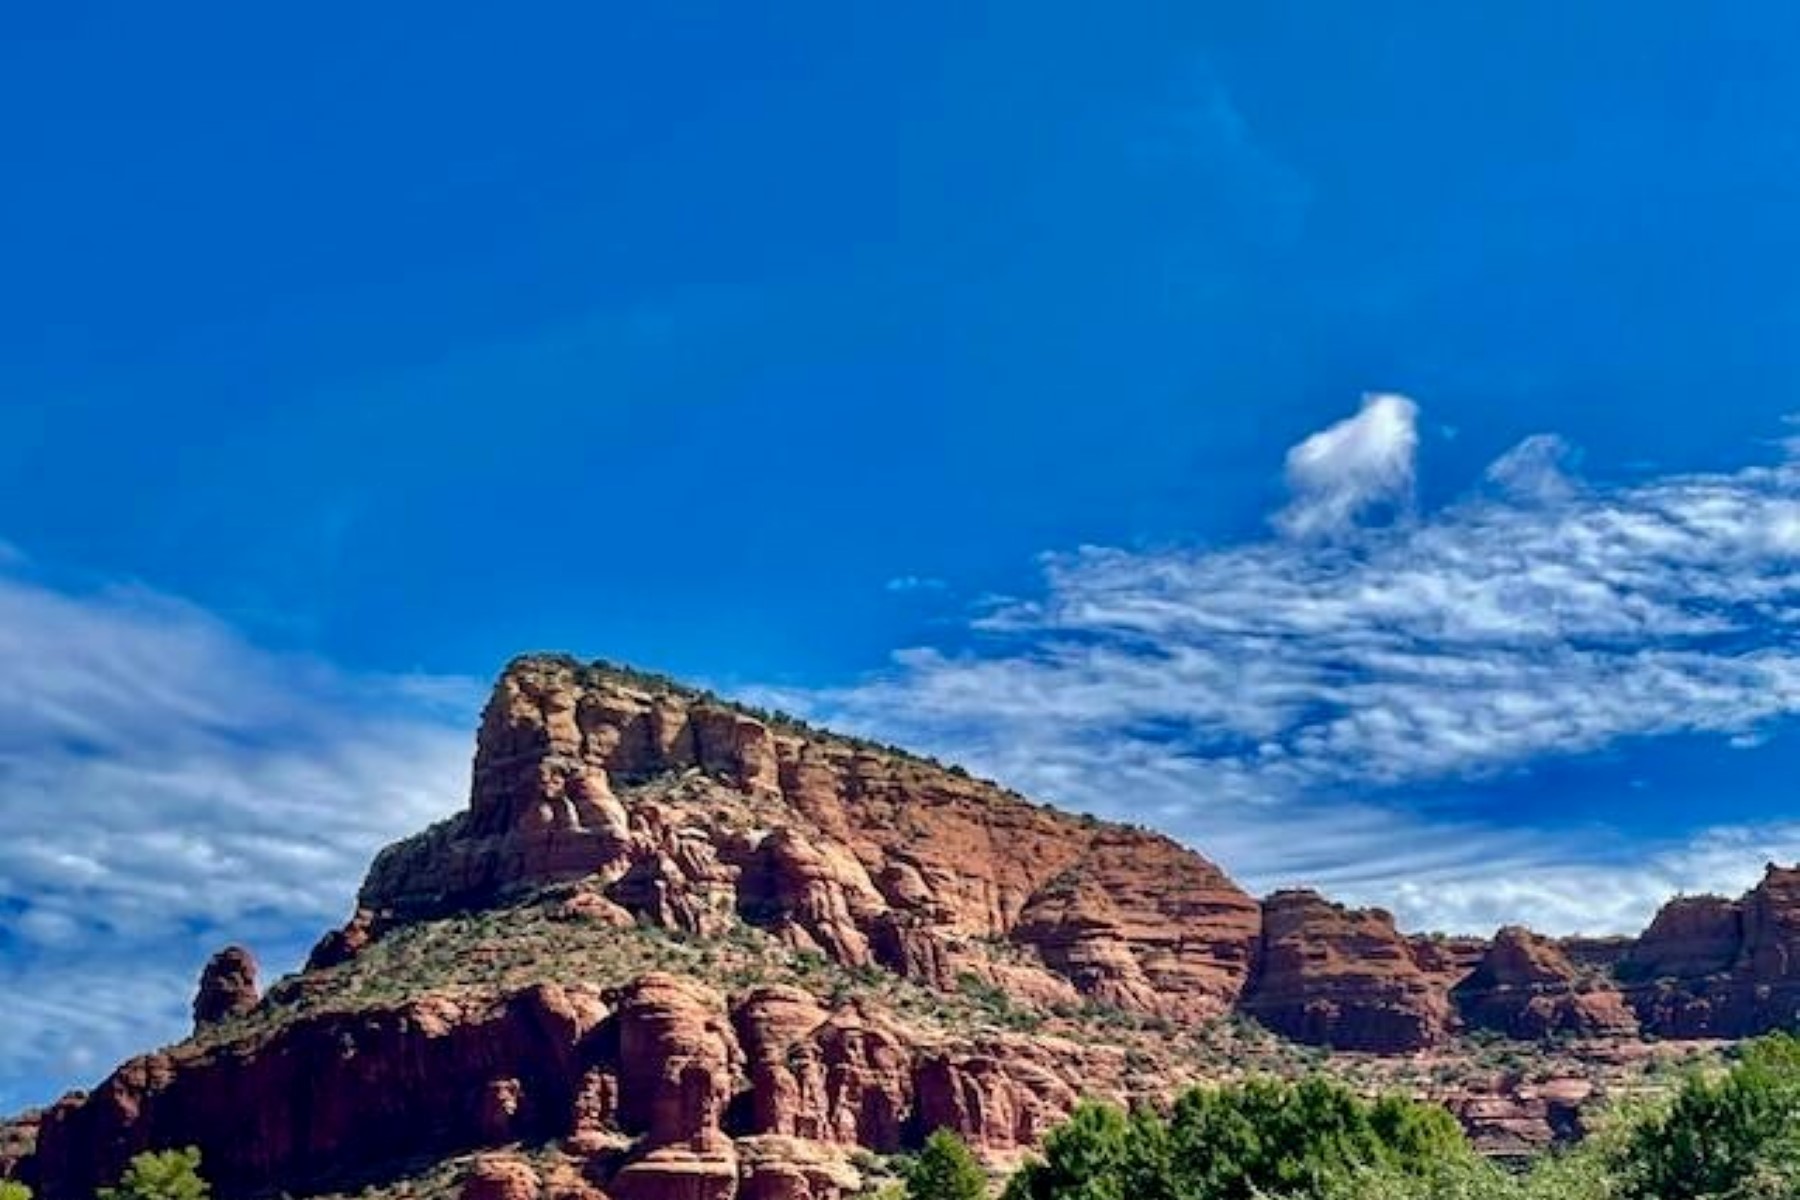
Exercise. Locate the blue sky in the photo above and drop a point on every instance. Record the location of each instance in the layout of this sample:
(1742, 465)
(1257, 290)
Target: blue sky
(1352, 440)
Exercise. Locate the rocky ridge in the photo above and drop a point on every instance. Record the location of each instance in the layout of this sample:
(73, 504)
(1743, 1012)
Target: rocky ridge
(703, 951)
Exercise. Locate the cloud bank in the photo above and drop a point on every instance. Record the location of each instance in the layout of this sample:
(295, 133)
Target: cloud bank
(1282, 704)
(166, 787)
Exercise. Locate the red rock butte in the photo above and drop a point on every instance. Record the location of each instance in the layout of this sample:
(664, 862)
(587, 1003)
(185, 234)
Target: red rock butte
(802, 887)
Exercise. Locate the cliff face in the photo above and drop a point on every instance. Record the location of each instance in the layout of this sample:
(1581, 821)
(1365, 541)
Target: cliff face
(869, 857)
(662, 1086)
(1710, 967)
(705, 952)
(1527, 987)
(1342, 977)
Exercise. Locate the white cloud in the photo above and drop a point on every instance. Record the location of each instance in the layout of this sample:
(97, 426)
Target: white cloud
(1361, 465)
(167, 786)
(1272, 702)
(1535, 469)
(915, 583)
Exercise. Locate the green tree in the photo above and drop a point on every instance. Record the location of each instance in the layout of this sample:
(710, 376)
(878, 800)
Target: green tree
(1264, 1138)
(944, 1169)
(1274, 1137)
(12, 1189)
(1099, 1153)
(1727, 1136)
(161, 1175)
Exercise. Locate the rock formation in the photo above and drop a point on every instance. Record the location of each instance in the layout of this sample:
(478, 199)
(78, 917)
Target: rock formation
(1342, 977)
(867, 857)
(18, 1144)
(1710, 967)
(1509, 1117)
(665, 1075)
(227, 987)
(321, 1094)
(1526, 987)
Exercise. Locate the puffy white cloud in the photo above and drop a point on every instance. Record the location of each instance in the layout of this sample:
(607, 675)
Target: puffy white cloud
(1362, 464)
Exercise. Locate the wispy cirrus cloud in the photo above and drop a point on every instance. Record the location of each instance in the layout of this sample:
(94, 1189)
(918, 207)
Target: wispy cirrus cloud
(915, 583)
(168, 786)
(1269, 701)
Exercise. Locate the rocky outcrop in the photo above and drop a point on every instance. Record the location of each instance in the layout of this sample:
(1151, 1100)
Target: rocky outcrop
(339, 946)
(1342, 977)
(1710, 967)
(1526, 987)
(678, 1058)
(501, 1177)
(842, 1076)
(227, 987)
(1512, 1118)
(663, 1087)
(865, 856)
(18, 1143)
(332, 1094)
(1446, 961)
(1145, 925)
(1690, 937)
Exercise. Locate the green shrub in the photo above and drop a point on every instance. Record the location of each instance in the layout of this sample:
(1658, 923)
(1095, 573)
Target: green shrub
(1242, 1142)
(161, 1175)
(1730, 1135)
(12, 1189)
(1100, 1153)
(944, 1169)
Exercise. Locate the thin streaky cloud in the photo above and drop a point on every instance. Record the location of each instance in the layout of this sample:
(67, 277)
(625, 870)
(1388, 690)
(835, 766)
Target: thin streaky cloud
(169, 786)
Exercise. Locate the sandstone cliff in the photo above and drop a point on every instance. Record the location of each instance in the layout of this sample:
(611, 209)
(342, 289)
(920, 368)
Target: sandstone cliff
(1710, 967)
(1343, 977)
(867, 856)
(1527, 987)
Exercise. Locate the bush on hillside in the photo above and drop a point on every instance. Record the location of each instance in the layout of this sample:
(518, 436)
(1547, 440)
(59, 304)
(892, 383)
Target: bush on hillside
(944, 1169)
(1241, 1142)
(1732, 1135)
(161, 1175)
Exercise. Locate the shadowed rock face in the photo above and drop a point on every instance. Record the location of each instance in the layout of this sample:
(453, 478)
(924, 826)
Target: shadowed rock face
(644, 804)
(227, 987)
(666, 1066)
(326, 1094)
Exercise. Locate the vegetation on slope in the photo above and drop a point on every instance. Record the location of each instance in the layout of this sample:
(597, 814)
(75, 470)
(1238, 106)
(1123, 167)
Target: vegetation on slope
(1732, 1135)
